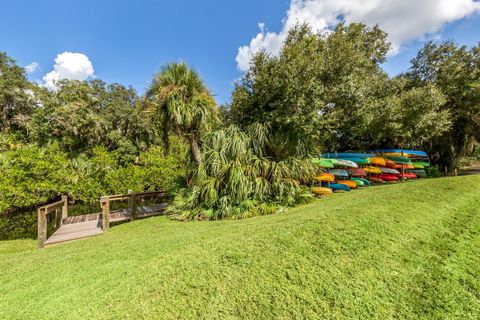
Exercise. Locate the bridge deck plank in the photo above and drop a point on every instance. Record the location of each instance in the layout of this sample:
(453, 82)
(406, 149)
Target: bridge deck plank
(89, 225)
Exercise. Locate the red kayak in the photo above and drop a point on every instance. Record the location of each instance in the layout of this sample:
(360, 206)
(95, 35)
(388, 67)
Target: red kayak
(388, 177)
(407, 175)
(375, 179)
(357, 172)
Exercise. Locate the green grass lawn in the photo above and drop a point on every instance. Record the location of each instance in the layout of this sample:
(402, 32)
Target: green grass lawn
(409, 250)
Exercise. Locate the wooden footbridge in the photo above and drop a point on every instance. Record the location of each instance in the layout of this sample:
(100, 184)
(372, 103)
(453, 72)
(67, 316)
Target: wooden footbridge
(84, 226)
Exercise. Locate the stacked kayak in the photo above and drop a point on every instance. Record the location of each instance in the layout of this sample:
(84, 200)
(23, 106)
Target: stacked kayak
(366, 183)
(400, 153)
(415, 163)
(345, 171)
(342, 173)
(357, 172)
(339, 187)
(347, 155)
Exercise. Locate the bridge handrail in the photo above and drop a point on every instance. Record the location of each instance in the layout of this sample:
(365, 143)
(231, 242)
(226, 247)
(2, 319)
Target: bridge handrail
(42, 214)
(132, 198)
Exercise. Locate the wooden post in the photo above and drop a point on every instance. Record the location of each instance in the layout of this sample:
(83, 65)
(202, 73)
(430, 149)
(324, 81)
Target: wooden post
(105, 204)
(65, 207)
(58, 219)
(403, 169)
(42, 228)
(132, 204)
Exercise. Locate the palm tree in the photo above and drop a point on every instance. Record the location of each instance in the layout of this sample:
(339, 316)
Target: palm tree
(180, 102)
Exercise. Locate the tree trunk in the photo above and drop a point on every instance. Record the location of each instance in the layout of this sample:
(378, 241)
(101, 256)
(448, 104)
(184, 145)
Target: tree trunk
(195, 148)
(165, 138)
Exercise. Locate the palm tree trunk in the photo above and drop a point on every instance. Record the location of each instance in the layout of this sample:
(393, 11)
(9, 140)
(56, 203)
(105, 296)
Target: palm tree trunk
(195, 148)
(165, 138)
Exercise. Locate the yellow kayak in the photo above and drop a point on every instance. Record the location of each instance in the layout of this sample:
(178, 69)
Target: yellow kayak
(327, 177)
(373, 170)
(378, 161)
(396, 154)
(321, 191)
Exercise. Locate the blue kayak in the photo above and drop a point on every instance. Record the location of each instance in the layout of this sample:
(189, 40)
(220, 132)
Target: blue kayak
(339, 172)
(412, 152)
(338, 187)
(344, 155)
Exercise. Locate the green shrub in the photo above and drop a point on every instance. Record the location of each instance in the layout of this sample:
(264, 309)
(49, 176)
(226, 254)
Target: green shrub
(236, 181)
(31, 175)
(433, 172)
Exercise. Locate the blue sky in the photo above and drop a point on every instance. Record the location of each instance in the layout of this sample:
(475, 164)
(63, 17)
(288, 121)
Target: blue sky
(128, 41)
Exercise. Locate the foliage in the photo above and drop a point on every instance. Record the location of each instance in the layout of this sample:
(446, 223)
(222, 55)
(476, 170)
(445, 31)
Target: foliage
(82, 114)
(179, 102)
(31, 175)
(317, 92)
(455, 70)
(411, 116)
(403, 251)
(16, 102)
(104, 174)
(236, 180)
(433, 171)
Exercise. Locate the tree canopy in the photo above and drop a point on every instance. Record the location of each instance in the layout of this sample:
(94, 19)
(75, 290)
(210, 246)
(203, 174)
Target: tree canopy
(455, 70)
(180, 103)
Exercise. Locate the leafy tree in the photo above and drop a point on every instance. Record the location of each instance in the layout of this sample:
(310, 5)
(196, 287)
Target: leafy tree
(30, 175)
(410, 117)
(355, 84)
(179, 102)
(455, 70)
(16, 103)
(317, 91)
(83, 114)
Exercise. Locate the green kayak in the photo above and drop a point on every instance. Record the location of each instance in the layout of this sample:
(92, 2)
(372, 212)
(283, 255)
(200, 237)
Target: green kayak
(419, 173)
(358, 160)
(421, 163)
(325, 163)
(418, 165)
(365, 182)
(404, 160)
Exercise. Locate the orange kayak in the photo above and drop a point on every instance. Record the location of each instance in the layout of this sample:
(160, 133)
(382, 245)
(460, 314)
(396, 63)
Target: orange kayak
(389, 163)
(349, 183)
(405, 166)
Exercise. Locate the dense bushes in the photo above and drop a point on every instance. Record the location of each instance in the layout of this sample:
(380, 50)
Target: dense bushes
(236, 179)
(32, 175)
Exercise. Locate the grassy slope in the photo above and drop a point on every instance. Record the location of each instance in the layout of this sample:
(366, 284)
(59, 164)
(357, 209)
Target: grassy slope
(399, 251)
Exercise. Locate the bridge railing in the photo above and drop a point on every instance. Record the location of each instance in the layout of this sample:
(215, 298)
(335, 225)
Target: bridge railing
(60, 208)
(133, 199)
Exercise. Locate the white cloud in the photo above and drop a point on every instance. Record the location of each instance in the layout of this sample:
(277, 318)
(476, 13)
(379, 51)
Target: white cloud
(32, 67)
(69, 65)
(403, 20)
